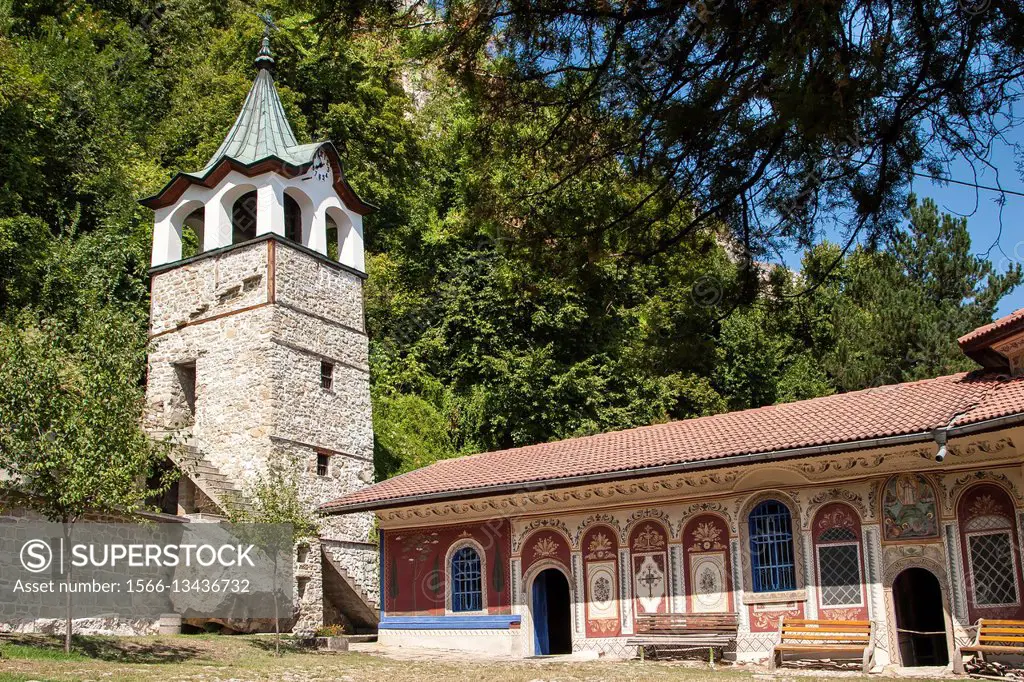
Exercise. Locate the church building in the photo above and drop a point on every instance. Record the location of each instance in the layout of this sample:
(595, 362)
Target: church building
(902, 505)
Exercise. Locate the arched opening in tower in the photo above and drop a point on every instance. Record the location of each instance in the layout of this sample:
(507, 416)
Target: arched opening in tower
(332, 238)
(243, 218)
(292, 219)
(193, 232)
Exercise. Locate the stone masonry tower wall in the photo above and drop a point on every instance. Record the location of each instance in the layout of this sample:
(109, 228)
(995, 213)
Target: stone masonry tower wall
(258, 321)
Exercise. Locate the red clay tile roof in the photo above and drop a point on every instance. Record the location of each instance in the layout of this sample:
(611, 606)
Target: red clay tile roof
(850, 419)
(991, 329)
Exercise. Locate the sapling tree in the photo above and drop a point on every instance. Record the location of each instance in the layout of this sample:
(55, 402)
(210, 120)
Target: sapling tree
(71, 437)
(272, 499)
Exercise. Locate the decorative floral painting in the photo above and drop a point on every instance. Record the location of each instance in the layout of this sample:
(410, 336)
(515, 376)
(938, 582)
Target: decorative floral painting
(544, 545)
(708, 577)
(649, 538)
(602, 604)
(706, 564)
(766, 617)
(600, 546)
(600, 560)
(909, 509)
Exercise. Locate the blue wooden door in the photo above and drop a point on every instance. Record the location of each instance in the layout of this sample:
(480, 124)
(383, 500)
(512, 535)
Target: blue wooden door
(541, 640)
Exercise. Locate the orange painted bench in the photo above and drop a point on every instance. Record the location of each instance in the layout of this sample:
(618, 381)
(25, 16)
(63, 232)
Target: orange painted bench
(993, 637)
(837, 639)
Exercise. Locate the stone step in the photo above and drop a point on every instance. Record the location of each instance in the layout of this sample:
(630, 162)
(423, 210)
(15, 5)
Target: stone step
(213, 479)
(358, 608)
(210, 480)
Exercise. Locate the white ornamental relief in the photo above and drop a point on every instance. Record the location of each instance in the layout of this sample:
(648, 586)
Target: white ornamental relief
(650, 585)
(601, 581)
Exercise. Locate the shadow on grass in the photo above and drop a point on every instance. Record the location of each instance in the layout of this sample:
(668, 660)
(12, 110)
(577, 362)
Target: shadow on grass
(122, 650)
(289, 645)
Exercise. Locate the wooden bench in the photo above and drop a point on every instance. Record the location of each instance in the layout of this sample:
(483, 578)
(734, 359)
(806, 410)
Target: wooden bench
(993, 637)
(839, 639)
(682, 631)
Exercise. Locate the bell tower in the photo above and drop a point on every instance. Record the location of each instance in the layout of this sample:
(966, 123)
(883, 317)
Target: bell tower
(258, 350)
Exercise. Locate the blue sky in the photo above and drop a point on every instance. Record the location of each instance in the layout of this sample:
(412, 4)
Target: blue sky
(1003, 246)
(982, 210)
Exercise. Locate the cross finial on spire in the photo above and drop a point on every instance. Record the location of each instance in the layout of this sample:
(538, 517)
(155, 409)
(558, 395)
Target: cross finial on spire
(263, 59)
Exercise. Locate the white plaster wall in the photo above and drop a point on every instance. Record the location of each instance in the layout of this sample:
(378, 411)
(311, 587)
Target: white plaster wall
(495, 642)
(314, 192)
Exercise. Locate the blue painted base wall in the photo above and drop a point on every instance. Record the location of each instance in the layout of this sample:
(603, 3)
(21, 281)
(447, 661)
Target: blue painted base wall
(448, 622)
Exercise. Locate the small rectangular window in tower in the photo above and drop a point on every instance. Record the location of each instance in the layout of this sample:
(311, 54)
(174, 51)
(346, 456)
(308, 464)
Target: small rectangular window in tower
(186, 374)
(326, 375)
(322, 462)
(300, 586)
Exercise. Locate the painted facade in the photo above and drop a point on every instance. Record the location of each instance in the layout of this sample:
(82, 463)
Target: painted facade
(683, 544)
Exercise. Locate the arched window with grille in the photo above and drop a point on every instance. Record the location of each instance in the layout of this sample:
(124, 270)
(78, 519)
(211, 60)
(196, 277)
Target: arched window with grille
(989, 541)
(839, 567)
(772, 562)
(467, 581)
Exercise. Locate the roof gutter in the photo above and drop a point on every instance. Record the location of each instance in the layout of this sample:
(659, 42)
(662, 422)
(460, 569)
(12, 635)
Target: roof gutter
(621, 474)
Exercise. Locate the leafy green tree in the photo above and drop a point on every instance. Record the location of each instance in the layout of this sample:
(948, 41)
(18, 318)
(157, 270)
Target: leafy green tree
(409, 432)
(894, 315)
(573, 201)
(766, 116)
(71, 442)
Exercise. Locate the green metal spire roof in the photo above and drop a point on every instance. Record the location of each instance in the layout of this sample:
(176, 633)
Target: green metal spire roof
(261, 130)
(260, 139)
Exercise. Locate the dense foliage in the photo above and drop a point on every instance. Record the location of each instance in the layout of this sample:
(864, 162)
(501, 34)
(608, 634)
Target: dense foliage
(531, 277)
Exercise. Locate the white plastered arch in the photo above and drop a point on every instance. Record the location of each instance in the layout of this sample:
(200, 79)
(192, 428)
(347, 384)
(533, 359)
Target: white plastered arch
(307, 211)
(167, 230)
(527, 598)
(350, 234)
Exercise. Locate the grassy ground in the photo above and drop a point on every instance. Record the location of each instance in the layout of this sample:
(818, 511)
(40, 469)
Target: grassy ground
(213, 658)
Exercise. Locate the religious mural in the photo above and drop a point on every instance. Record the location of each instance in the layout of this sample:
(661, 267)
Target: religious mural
(415, 571)
(705, 547)
(909, 509)
(600, 561)
(649, 545)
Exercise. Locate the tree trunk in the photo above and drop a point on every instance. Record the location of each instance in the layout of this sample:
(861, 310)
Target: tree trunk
(277, 619)
(67, 585)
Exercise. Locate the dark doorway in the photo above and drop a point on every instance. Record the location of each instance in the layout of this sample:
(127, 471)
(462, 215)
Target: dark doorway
(552, 627)
(167, 501)
(920, 618)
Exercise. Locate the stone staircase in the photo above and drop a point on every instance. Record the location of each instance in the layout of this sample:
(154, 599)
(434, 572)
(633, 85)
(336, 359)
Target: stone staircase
(346, 595)
(209, 480)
